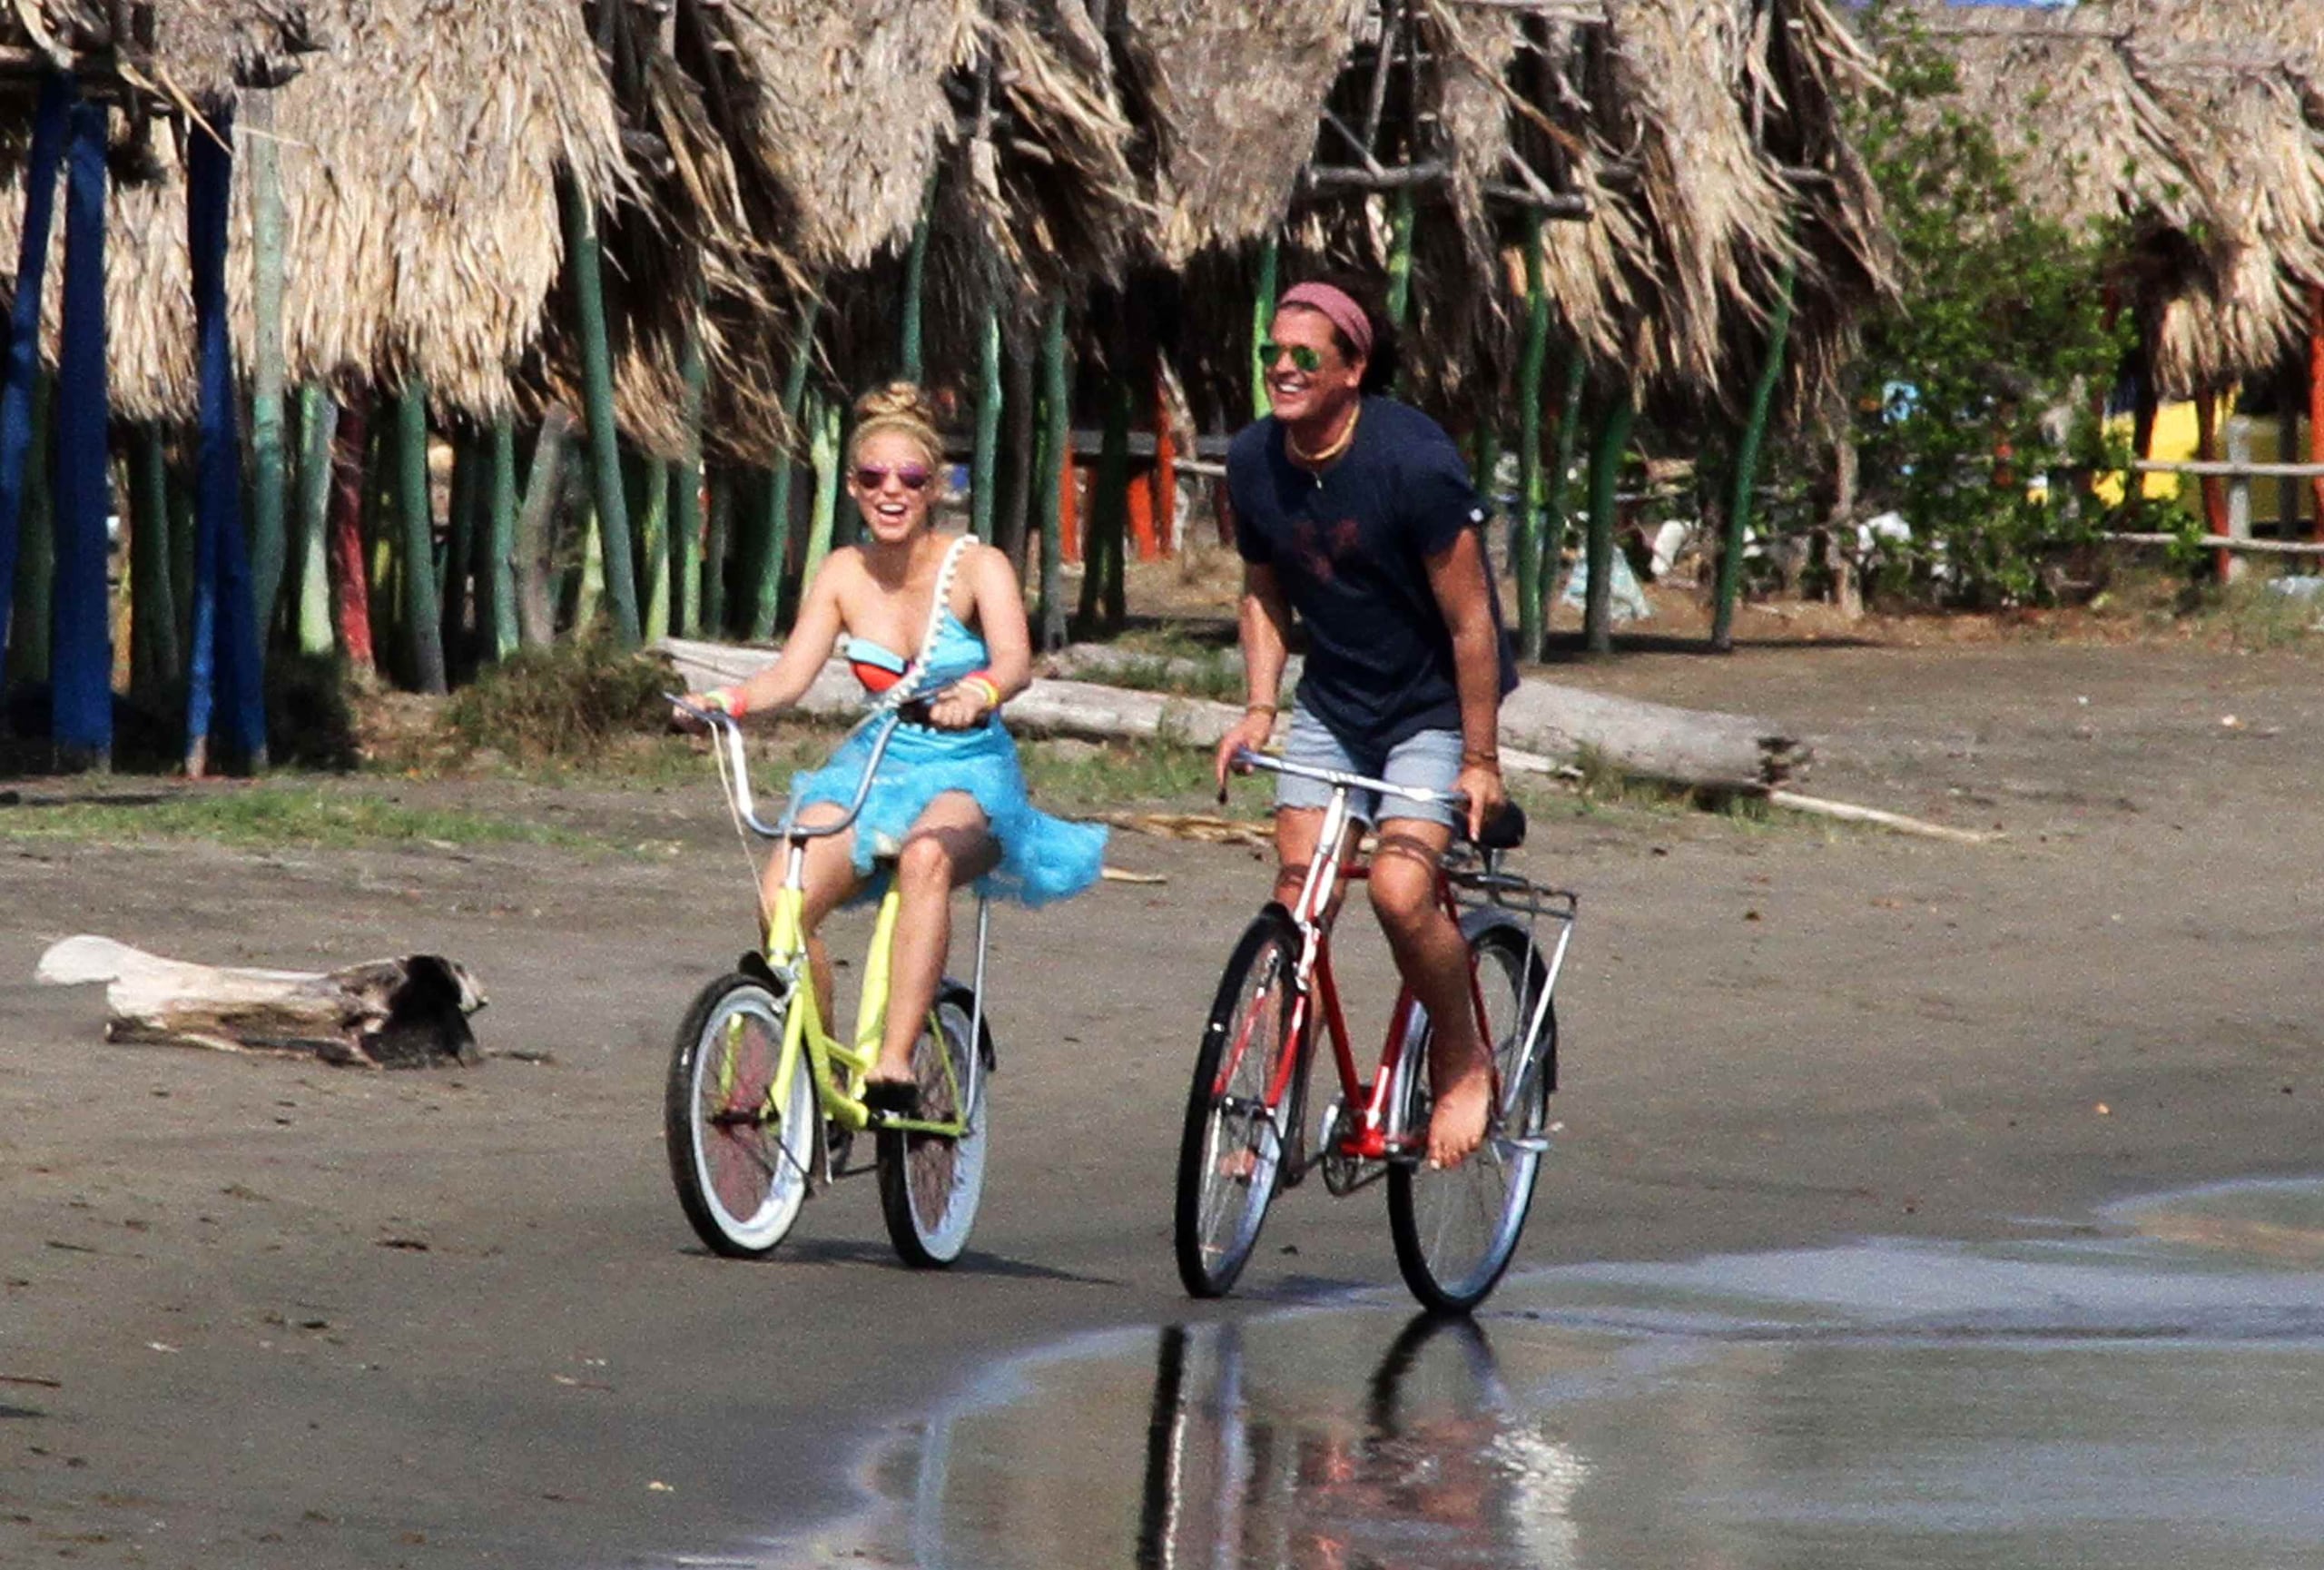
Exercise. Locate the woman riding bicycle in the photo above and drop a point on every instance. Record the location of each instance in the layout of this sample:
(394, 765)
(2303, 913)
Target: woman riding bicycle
(948, 804)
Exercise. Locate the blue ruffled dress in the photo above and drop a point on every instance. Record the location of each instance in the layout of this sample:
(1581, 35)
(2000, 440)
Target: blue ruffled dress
(1042, 858)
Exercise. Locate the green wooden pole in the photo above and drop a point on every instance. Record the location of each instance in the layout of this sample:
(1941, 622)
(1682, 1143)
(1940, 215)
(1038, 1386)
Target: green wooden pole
(269, 476)
(458, 570)
(497, 630)
(1746, 463)
(317, 429)
(823, 419)
(587, 594)
(685, 491)
(774, 544)
(1262, 323)
(1020, 458)
(1485, 470)
(1559, 501)
(1056, 439)
(1529, 489)
(984, 458)
(597, 381)
(1400, 257)
(422, 626)
(1104, 603)
(153, 598)
(911, 358)
(721, 482)
(1605, 468)
(654, 540)
(775, 532)
(32, 624)
(536, 599)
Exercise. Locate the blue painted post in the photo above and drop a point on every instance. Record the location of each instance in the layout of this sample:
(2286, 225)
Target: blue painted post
(21, 379)
(225, 654)
(80, 669)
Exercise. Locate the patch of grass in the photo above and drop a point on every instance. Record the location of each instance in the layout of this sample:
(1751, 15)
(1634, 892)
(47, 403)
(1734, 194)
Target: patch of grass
(570, 704)
(270, 816)
(1086, 776)
(2253, 613)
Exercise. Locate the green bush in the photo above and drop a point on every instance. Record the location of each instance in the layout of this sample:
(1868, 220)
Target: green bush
(1974, 395)
(566, 704)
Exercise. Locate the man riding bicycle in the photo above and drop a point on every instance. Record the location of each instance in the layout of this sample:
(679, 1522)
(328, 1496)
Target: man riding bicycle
(1355, 511)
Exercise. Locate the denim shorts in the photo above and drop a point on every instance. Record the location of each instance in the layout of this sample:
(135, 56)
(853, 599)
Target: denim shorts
(1425, 760)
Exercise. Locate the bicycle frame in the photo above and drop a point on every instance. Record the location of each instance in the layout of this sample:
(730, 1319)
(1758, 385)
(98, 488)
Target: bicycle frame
(838, 1069)
(1369, 1130)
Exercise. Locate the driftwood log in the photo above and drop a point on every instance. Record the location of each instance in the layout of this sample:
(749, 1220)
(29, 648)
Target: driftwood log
(411, 1013)
(1544, 727)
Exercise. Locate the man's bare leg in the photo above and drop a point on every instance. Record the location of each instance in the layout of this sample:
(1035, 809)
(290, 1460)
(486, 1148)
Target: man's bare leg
(1434, 962)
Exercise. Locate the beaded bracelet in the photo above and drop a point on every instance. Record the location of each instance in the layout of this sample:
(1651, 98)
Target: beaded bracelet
(991, 690)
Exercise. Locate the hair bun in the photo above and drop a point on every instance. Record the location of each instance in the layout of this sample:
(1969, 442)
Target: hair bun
(901, 400)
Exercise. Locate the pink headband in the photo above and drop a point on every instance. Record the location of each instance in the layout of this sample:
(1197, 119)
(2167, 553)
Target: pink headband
(1337, 306)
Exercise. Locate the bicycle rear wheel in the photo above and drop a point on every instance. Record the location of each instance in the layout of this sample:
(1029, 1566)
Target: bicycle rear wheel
(1232, 1147)
(1456, 1230)
(930, 1184)
(740, 1163)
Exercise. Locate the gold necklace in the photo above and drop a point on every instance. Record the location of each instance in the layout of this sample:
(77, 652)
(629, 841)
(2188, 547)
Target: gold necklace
(1315, 462)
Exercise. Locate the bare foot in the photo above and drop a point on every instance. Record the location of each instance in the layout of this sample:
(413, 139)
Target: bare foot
(1457, 1125)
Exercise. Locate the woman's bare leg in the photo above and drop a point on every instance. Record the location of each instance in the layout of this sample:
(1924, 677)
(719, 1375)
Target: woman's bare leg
(829, 879)
(950, 845)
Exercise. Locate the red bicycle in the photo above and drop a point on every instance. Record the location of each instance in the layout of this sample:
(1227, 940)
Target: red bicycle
(1454, 1229)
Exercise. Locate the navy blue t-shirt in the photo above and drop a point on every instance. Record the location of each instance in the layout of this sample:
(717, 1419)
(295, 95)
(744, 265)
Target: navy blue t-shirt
(1350, 548)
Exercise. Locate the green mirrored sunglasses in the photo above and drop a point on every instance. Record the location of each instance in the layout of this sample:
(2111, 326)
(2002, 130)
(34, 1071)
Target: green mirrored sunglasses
(1302, 357)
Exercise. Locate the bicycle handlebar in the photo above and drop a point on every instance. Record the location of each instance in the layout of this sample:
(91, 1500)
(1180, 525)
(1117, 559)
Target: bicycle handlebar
(1504, 830)
(727, 734)
(1246, 758)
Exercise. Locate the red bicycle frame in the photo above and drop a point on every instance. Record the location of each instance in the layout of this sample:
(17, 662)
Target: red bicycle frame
(1364, 1134)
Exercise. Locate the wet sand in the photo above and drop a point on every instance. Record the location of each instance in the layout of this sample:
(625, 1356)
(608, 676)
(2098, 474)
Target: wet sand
(260, 1313)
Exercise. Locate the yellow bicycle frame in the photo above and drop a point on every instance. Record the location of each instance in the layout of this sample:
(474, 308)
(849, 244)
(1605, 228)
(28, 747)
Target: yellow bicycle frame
(839, 1069)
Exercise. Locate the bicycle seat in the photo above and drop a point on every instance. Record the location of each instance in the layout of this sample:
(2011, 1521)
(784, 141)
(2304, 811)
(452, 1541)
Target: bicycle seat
(1504, 830)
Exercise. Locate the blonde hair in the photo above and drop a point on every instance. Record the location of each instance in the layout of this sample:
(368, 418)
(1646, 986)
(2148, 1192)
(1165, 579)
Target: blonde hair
(899, 408)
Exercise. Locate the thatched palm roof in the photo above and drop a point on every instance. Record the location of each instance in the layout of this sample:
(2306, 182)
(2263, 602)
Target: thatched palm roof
(1232, 92)
(2260, 115)
(846, 102)
(2198, 121)
(199, 48)
(1705, 136)
(420, 151)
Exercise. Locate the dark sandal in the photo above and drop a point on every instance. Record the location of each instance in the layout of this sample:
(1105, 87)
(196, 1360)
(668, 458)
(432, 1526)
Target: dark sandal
(897, 1098)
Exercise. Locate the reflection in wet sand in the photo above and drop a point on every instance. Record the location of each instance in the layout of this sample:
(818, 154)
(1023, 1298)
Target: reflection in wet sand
(2145, 1395)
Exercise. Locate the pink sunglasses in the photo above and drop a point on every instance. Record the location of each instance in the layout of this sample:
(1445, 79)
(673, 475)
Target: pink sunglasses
(871, 477)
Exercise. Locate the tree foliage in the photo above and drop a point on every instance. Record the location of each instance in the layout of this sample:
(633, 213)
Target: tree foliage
(1977, 407)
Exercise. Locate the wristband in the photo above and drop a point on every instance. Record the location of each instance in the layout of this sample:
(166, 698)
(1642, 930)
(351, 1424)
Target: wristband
(1481, 757)
(726, 700)
(1268, 709)
(991, 690)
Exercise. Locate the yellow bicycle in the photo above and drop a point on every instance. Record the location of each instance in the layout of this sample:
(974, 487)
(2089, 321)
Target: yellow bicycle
(763, 1101)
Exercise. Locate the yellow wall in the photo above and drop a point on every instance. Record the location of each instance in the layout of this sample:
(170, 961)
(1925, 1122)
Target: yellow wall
(2174, 442)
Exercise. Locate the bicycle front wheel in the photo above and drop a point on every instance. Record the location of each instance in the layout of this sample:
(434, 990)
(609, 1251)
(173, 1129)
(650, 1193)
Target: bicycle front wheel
(1231, 1149)
(740, 1162)
(1456, 1229)
(930, 1184)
